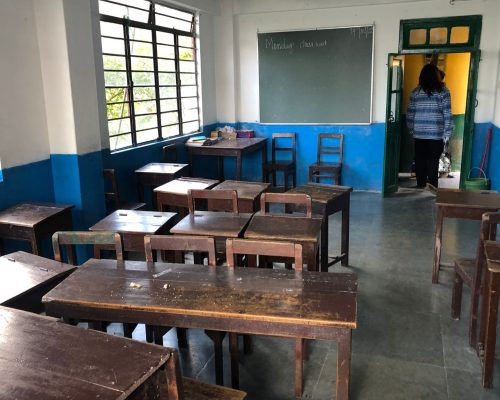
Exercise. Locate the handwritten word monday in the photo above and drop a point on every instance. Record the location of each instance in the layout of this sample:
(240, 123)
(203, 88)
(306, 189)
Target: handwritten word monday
(284, 44)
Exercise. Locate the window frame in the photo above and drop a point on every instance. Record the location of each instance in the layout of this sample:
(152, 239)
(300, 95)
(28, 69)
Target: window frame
(129, 86)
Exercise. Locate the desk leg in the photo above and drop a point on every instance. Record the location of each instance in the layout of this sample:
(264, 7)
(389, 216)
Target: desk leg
(233, 349)
(491, 312)
(220, 166)
(190, 161)
(344, 248)
(299, 355)
(343, 365)
(238, 167)
(140, 192)
(35, 245)
(324, 244)
(264, 161)
(437, 245)
(174, 377)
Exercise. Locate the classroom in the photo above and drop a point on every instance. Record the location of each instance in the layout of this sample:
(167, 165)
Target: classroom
(135, 96)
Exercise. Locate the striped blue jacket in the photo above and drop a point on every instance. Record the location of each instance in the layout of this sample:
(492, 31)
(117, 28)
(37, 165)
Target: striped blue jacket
(429, 117)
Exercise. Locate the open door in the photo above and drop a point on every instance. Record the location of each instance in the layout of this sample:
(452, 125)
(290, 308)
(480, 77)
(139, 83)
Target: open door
(470, 110)
(393, 123)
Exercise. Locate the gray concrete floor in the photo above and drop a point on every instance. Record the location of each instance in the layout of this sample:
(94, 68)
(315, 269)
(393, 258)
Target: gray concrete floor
(406, 345)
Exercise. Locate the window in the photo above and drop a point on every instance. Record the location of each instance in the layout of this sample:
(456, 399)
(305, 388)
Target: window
(150, 71)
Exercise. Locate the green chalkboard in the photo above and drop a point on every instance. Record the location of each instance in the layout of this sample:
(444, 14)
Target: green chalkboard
(316, 76)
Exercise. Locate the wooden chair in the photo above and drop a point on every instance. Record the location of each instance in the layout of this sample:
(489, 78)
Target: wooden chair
(277, 164)
(275, 249)
(329, 144)
(182, 388)
(170, 153)
(177, 244)
(470, 272)
(113, 201)
(229, 195)
(71, 238)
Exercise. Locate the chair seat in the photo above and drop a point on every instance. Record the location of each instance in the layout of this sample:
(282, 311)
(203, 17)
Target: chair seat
(324, 164)
(196, 390)
(280, 164)
(131, 205)
(465, 268)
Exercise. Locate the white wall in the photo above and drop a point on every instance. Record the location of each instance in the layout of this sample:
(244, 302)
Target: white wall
(23, 123)
(207, 66)
(251, 16)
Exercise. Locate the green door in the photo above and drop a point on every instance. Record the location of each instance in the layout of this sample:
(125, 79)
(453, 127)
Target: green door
(393, 123)
(470, 110)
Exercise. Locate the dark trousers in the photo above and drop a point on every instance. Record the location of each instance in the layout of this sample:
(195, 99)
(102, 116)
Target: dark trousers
(427, 153)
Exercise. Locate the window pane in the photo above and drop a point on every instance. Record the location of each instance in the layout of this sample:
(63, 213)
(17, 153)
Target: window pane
(110, 29)
(174, 13)
(145, 122)
(115, 95)
(173, 23)
(189, 114)
(186, 54)
(113, 46)
(459, 34)
(166, 65)
(141, 49)
(438, 36)
(115, 78)
(418, 36)
(172, 130)
(187, 66)
(139, 34)
(166, 79)
(144, 93)
(146, 136)
(189, 103)
(165, 38)
(114, 62)
(189, 91)
(169, 118)
(186, 41)
(118, 110)
(168, 105)
(191, 127)
(165, 51)
(142, 64)
(188, 79)
(144, 107)
(119, 126)
(143, 78)
(168, 92)
(119, 142)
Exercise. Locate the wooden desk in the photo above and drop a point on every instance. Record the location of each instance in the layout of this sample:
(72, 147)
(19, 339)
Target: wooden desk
(328, 200)
(229, 148)
(173, 195)
(33, 222)
(248, 195)
(489, 311)
(25, 278)
(134, 225)
(156, 174)
(45, 359)
(454, 203)
(216, 298)
(302, 230)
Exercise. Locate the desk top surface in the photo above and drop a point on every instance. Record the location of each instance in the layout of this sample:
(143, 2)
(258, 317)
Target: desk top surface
(230, 144)
(284, 227)
(128, 221)
(212, 223)
(492, 250)
(21, 272)
(282, 296)
(245, 190)
(161, 168)
(43, 358)
(468, 198)
(31, 214)
(182, 185)
(322, 193)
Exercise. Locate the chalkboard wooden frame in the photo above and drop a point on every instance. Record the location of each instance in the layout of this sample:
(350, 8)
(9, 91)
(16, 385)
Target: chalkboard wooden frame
(272, 114)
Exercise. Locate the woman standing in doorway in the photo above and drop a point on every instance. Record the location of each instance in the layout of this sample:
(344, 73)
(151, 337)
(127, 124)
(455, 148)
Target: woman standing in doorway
(430, 122)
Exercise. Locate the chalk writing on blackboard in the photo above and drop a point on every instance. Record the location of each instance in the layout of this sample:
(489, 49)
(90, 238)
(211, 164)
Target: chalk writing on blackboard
(283, 44)
(362, 32)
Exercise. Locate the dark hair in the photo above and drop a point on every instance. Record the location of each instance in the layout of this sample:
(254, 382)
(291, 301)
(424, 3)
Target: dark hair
(430, 79)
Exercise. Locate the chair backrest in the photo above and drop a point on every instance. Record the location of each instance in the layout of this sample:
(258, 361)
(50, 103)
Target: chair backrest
(298, 199)
(261, 248)
(175, 243)
(111, 195)
(231, 195)
(330, 144)
(170, 153)
(279, 146)
(70, 238)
